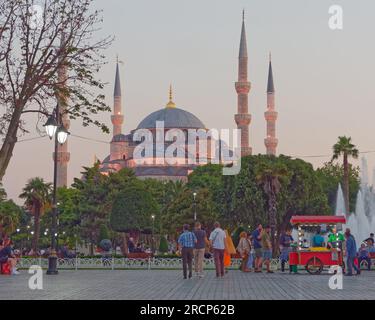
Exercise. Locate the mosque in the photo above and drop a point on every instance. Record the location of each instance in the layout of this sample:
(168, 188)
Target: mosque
(123, 146)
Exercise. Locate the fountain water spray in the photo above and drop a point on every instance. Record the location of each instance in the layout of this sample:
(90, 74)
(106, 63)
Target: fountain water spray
(362, 221)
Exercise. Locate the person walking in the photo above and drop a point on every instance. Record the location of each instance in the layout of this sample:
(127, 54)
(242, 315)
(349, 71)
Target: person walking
(286, 240)
(256, 235)
(267, 247)
(199, 249)
(217, 241)
(244, 248)
(187, 241)
(351, 252)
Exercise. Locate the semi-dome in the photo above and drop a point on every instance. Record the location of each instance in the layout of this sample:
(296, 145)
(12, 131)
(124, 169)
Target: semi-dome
(173, 118)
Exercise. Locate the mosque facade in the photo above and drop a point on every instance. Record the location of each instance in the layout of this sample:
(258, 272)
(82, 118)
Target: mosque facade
(123, 147)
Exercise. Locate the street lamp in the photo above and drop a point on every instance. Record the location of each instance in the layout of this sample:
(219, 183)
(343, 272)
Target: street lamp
(55, 128)
(62, 134)
(153, 225)
(195, 207)
(51, 126)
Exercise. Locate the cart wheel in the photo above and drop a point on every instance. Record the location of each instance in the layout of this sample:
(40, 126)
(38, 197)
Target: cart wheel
(314, 266)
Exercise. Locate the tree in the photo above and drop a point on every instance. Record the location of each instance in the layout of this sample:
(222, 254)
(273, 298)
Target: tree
(163, 246)
(35, 46)
(345, 148)
(92, 203)
(269, 175)
(181, 210)
(68, 200)
(10, 215)
(37, 195)
(131, 210)
(331, 175)
(243, 201)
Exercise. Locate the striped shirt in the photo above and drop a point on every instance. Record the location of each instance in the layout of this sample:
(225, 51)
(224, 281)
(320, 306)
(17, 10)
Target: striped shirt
(187, 239)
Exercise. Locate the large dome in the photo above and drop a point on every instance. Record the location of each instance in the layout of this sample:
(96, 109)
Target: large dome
(173, 118)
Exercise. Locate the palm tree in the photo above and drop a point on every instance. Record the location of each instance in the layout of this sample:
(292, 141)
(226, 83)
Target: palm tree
(345, 148)
(10, 215)
(269, 176)
(37, 195)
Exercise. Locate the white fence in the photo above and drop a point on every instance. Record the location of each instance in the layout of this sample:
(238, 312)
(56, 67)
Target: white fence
(123, 263)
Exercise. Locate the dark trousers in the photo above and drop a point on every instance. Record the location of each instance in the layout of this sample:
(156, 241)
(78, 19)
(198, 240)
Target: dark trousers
(219, 262)
(187, 261)
(350, 265)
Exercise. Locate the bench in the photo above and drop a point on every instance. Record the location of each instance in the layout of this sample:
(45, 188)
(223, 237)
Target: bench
(139, 255)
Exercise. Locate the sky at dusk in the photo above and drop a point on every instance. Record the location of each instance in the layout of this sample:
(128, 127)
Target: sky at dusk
(324, 79)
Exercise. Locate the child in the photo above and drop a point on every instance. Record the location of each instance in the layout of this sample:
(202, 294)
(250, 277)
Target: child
(363, 255)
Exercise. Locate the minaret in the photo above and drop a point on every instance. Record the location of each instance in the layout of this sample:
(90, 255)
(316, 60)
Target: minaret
(271, 115)
(243, 86)
(117, 118)
(63, 156)
(117, 143)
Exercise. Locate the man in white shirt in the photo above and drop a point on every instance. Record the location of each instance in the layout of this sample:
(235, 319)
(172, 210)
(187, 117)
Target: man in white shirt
(217, 241)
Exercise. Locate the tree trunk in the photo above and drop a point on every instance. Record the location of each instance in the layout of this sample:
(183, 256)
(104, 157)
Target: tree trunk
(124, 246)
(92, 243)
(272, 217)
(10, 139)
(346, 184)
(36, 231)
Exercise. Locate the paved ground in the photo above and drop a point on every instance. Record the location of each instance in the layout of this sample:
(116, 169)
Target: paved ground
(164, 284)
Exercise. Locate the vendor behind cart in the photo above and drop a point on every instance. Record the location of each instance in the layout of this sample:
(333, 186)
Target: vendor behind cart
(318, 239)
(335, 239)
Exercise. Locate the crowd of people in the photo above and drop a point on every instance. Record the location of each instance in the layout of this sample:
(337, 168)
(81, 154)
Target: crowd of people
(193, 245)
(255, 249)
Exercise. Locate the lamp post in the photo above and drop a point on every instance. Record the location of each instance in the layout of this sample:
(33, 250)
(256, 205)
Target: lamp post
(153, 241)
(195, 206)
(55, 129)
(27, 232)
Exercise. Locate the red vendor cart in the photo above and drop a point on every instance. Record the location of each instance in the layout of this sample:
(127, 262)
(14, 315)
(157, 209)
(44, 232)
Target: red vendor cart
(314, 259)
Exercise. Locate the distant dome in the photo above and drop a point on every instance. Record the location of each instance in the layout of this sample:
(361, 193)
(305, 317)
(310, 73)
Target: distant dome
(173, 118)
(120, 138)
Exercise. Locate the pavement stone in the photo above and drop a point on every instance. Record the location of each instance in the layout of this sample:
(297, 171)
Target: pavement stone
(168, 285)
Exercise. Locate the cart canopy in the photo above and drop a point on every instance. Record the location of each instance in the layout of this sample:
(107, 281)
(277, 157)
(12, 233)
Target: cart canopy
(317, 220)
